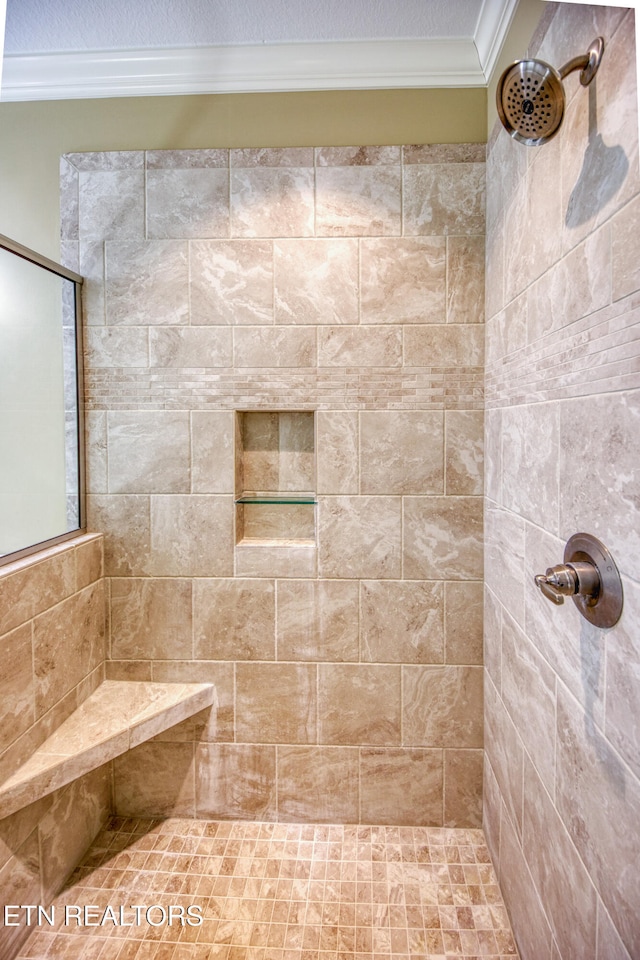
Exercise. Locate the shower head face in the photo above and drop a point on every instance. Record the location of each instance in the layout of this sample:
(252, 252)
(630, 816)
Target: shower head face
(530, 101)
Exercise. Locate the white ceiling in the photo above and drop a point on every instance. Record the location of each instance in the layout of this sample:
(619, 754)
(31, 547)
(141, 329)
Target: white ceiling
(88, 48)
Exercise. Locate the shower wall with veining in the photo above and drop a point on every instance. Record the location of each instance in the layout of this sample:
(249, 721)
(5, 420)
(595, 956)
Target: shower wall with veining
(276, 322)
(562, 769)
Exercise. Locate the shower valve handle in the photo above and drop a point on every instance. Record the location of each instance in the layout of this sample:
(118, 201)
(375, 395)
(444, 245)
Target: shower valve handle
(569, 580)
(589, 576)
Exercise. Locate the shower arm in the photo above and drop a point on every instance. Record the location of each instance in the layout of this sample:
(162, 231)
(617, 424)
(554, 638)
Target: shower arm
(587, 63)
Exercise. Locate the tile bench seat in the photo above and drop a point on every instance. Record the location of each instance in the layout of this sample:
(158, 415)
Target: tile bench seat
(119, 715)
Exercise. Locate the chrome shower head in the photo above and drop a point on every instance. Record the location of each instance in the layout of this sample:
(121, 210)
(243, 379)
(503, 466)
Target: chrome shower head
(530, 96)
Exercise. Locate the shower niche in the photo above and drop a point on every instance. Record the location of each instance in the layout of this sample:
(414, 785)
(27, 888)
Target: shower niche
(275, 476)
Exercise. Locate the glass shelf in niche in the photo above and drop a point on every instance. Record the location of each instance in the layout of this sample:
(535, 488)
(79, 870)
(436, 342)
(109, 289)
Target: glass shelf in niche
(278, 499)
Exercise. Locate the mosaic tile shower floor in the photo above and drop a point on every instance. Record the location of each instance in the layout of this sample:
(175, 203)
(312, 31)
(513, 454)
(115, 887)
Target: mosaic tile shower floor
(271, 891)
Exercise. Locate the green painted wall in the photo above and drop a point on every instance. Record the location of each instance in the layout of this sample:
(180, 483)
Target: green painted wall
(34, 135)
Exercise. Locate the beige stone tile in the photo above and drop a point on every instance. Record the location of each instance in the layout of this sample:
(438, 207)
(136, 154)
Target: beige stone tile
(258, 453)
(155, 779)
(236, 780)
(464, 461)
(556, 867)
(20, 882)
(465, 279)
(622, 721)
(15, 829)
(17, 693)
(441, 345)
(146, 283)
(276, 558)
(463, 621)
(356, 200)
(271, 157)
(399, 786)
(493, 455)
(199, 347)
(401, 452)
(274, 347)
(125, 521)
(30, 586)
(598, 493)
(529, 694)
(316, 281)
(148, 452)
(111, 204)
(359, 537)
(317, 620)
(442, 706)
(442, 199)
(231, 282)
(89, 560)
(151, 619)
(276, 703)
(403, 280)
(74, 819)
(95, 451)
(463, 788)
(444, 153)
(213, 725)
(281, 522)
(574, 649)
(624, 254)
(185, 159)
(318, 784)
(276, 452)
(521, 898)
(188, 203)
(68, 643)
(361, 156)
(128, 670)
(116, 347)
(573, 287)
(609, 942)
(338, 451)
(191, 536)
(296, 451)
(359, 347)
(402, 621)
(234, 619)
(598, 800)
(491, 811)
(442, 537)
(359, 704)
(504, 752)
(600, 139)
(504, 553)
(492, 638)
(212, 451)
(272, 201)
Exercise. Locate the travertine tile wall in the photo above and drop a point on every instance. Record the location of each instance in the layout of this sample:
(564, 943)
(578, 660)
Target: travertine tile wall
(52, 637)
(345, 282)
(562, 762)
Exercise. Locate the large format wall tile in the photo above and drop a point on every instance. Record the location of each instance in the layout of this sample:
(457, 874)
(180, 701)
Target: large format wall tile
(561, 439)
(146, 283)
(401, 452)
(267, 322)
(442, 538)
(358, 704)
(442, 706)
(316, 281)
(231, 282)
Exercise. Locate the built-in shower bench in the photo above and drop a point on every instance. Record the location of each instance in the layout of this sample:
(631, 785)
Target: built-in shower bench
(119, 715)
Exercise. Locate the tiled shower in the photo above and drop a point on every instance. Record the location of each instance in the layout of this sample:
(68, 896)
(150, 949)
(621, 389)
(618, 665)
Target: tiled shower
(302, 330)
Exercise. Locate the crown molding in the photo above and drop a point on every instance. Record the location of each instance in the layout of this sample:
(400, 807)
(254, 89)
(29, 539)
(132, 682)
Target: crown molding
(346, 65)
(493, 23)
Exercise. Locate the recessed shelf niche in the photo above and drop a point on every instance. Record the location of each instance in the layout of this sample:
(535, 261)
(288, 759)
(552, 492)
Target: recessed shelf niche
(275, 476)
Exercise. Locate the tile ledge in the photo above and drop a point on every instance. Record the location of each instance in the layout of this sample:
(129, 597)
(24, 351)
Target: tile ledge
(117, 716)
